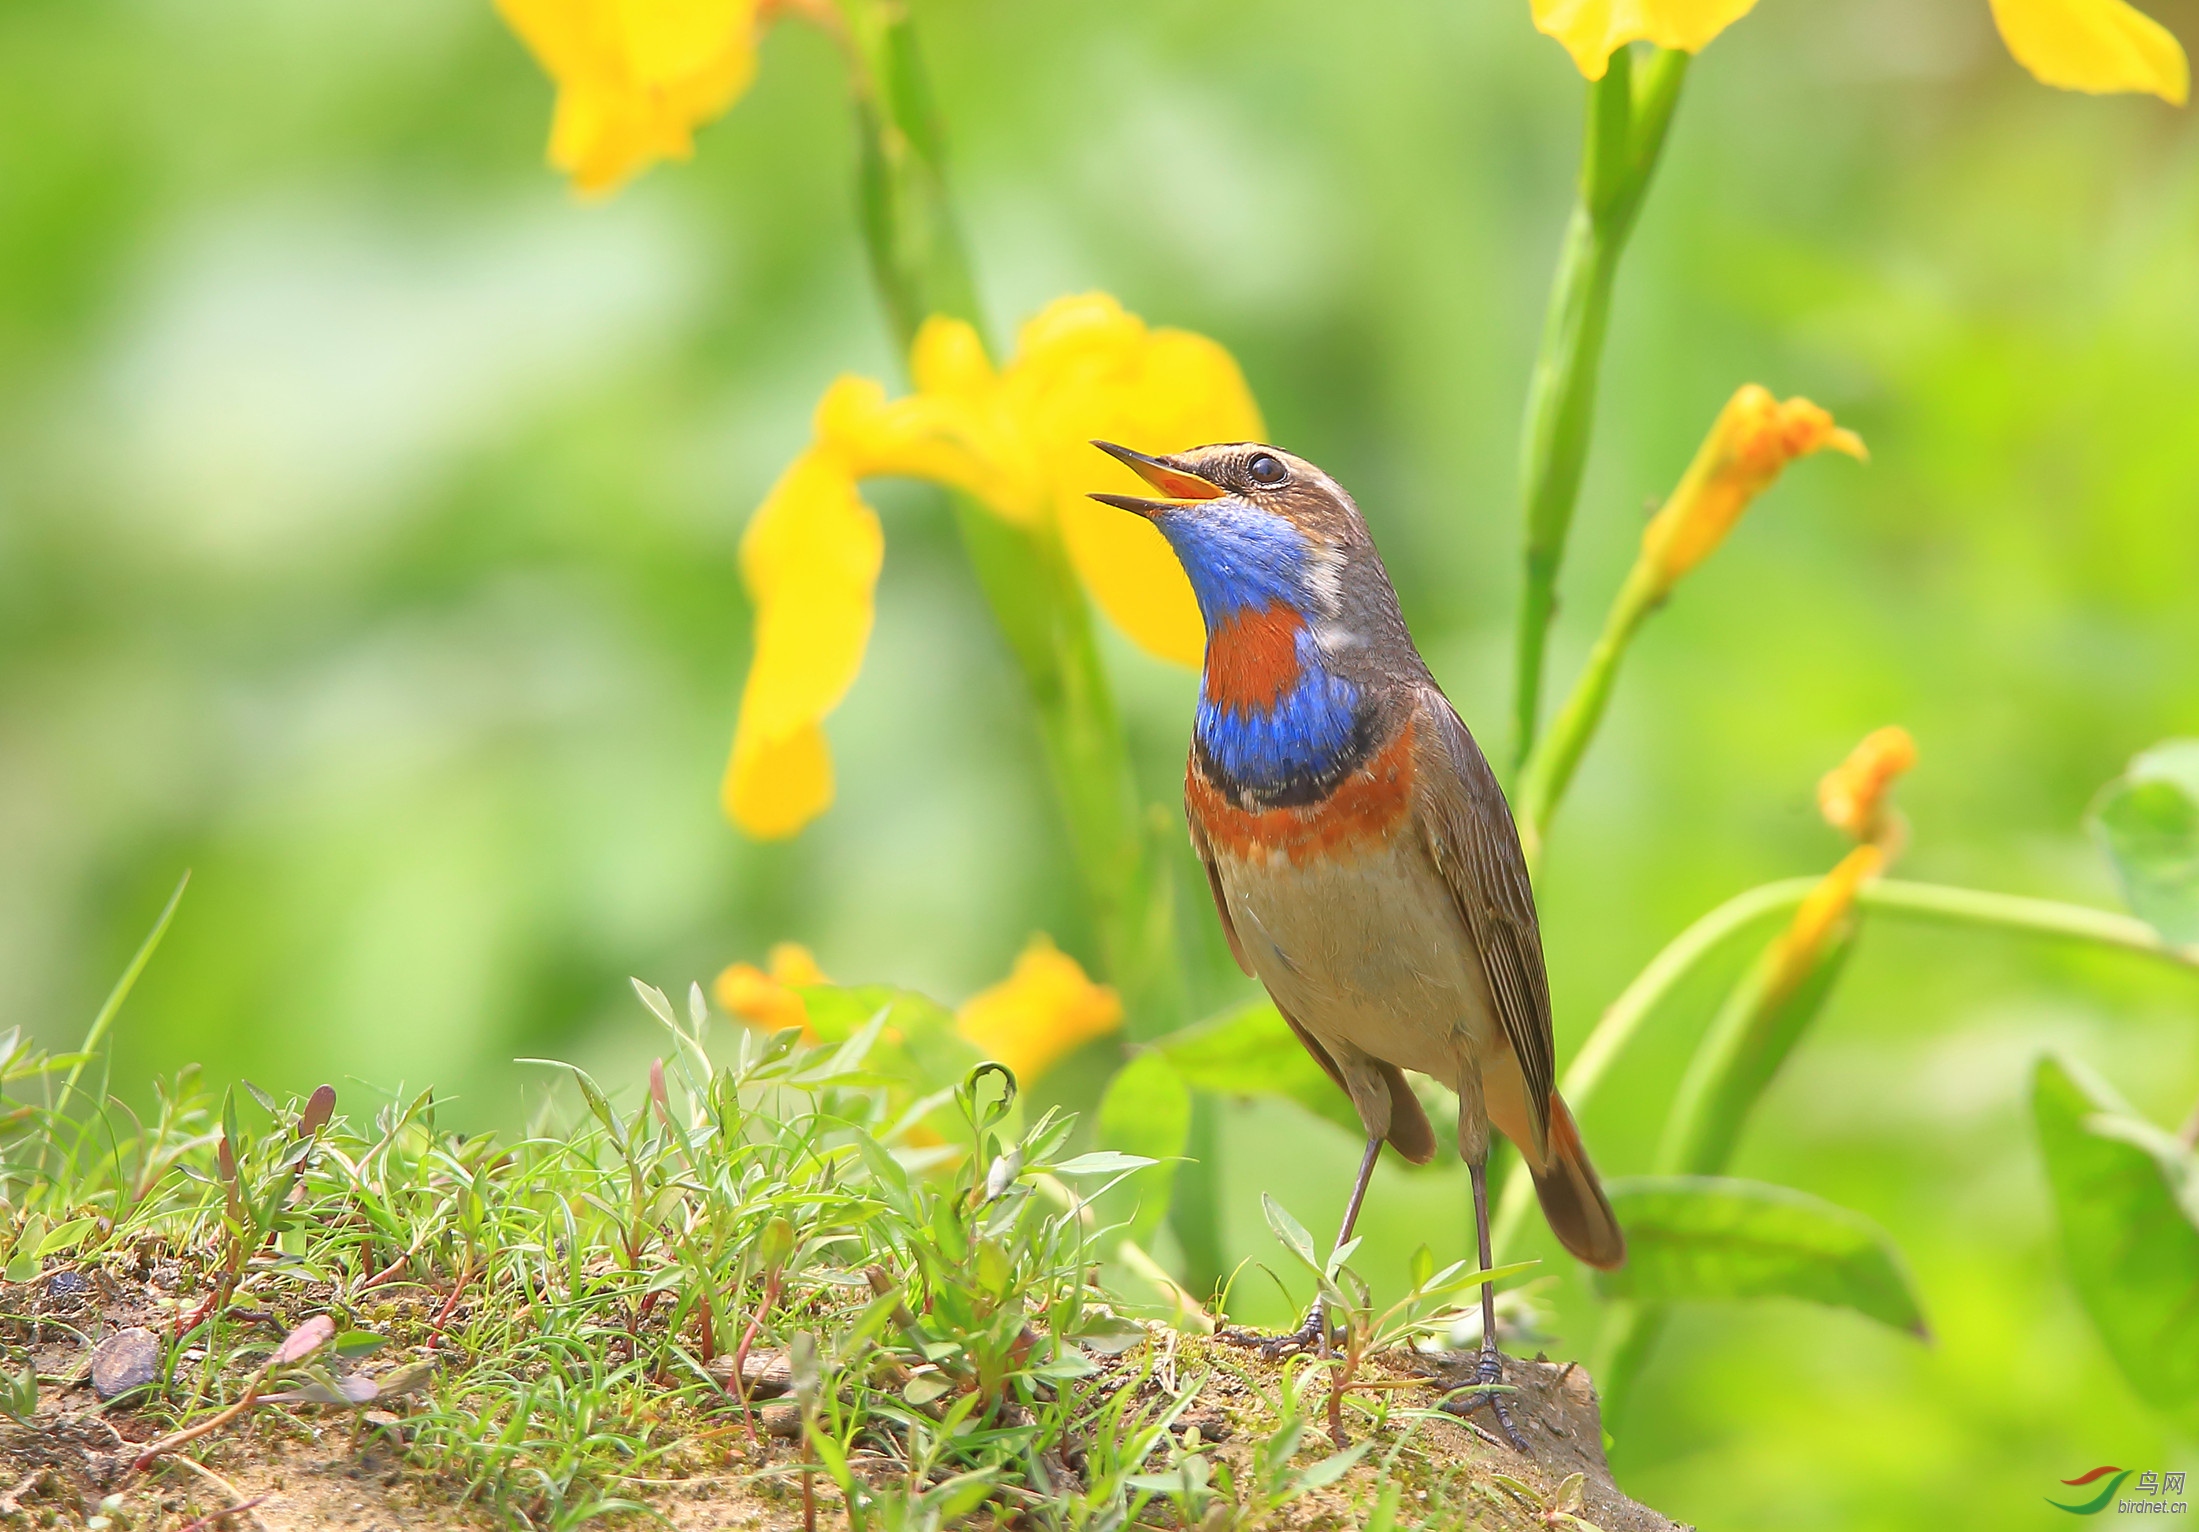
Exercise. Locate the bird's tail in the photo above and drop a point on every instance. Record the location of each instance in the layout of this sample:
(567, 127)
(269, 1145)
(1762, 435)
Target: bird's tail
(1572, 1197)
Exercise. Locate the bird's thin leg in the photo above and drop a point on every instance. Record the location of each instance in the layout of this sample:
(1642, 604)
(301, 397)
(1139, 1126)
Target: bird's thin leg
(1491, 1369)
(1313, 1334)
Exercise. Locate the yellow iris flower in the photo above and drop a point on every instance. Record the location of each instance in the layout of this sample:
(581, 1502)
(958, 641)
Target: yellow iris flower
(1044, 1010)
(2090, 45)
(635, 78)
(1017, 439)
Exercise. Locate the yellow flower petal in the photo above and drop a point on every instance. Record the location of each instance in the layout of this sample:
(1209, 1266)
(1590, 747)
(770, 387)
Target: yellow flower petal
(634, 78)
(1755, 437)
(2094, 45)
(767, 999)
(963, 439)
(1593, 30)
(1136, 578)
(1852, 795)
(1161, 391)
(1017, 439)
(810, 559)
(1044, 1009)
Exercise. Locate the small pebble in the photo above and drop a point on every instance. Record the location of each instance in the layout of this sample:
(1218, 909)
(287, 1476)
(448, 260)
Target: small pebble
(125, 1360)
(766, 1374)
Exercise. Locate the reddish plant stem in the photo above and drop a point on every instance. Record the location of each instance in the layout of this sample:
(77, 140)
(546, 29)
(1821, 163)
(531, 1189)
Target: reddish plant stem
(740, 1359)
(213, 1516)
(404, 1257)
(450, 1304)
(189, 1434)
(225, 1284)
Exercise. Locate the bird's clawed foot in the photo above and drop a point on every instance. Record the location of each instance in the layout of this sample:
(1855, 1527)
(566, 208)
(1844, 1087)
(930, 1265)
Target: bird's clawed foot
(1489, 1393)
(1299, 1342)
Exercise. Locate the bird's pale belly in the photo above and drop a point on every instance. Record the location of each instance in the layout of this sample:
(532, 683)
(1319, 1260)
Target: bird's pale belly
(1365, 950)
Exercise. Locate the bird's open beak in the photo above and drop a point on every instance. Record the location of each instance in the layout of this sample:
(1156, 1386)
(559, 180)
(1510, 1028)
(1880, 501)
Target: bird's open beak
(1166, 474)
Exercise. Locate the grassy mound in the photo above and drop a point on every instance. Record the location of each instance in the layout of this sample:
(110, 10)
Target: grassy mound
(777, 1291)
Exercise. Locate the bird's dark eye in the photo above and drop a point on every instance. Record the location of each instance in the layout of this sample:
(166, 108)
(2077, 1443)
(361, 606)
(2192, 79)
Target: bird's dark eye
(1266, 468)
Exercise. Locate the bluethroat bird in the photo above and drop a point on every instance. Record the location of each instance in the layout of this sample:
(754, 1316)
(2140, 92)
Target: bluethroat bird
(1361, 855)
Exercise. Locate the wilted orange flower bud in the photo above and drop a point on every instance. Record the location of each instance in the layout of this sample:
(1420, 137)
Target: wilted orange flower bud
(1755, 438)
(1851, 796)
(1805, 936)
(1042, 1011)
(768, 1000)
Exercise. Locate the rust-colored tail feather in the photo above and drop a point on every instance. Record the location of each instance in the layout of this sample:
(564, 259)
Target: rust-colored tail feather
(1572, 1197)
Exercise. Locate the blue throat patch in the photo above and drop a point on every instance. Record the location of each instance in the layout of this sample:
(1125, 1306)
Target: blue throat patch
(1237, 559)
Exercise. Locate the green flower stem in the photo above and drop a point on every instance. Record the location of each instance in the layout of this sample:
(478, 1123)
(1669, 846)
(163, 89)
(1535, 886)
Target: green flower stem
(922, 268)
(1043, 614)
(917, 256)
(1628, 118)
(1759, 1026)
(1624, 1018)
(1555, 757)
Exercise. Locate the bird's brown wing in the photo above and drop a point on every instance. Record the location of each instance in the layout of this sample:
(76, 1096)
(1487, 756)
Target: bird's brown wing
(1469, 832)
(1221, 903)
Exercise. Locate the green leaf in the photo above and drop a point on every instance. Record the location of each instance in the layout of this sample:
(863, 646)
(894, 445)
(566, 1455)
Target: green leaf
(67, 1237)
(1711, 1237)
(926, 1386)
(357, 1345)
(1328, 1470)
(1291, 1232)
(1103, 1162)
(2125, 1193)
(1146, 1113)
(2147, 821)
(1253, 1052)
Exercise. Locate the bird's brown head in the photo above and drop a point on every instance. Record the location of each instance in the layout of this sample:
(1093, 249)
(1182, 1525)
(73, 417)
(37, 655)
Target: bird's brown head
(1253, 525)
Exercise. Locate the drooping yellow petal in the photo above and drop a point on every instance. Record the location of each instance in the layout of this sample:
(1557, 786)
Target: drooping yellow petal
(810, 559)
(767, 998)
(2100, 46)
(634, 78)
(1755, 437)
(1045, 1009)
(1852, 795)
(1593, 30)
(1018, 439)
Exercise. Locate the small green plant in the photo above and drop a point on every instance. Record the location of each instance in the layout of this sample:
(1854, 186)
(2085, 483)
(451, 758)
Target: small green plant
(1559, 1509)
(19, 1391)
(1434, 1303)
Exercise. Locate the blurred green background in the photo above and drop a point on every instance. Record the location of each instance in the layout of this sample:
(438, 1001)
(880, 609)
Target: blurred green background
(368, 507)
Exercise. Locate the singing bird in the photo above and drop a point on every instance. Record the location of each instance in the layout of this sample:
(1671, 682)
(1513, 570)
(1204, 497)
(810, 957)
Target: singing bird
(1361, 855)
